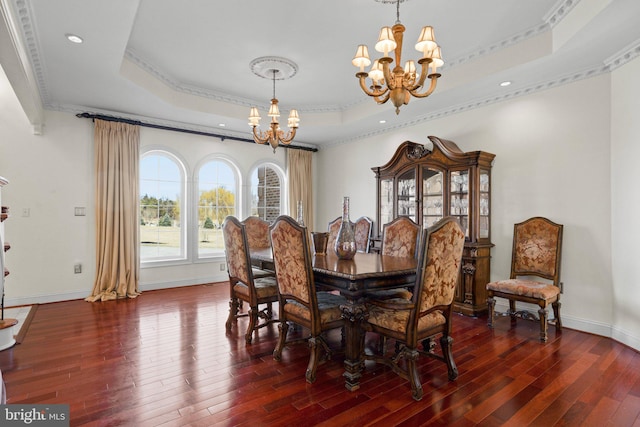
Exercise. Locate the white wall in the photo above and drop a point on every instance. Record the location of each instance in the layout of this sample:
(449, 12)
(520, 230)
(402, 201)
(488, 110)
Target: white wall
(552, 151)
(625, 152)
(49, 176)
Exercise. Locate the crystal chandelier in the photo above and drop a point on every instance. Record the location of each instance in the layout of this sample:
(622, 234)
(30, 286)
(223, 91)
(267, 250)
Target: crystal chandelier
(400, 83)
(277, 68)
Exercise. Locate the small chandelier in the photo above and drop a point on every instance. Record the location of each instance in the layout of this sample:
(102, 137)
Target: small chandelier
(282, 68)
(400, 83)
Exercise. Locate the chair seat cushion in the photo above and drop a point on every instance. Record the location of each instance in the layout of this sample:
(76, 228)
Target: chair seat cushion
(258, 272)
(328, 305)
(526, 288)
(265, 287)
(397, 319)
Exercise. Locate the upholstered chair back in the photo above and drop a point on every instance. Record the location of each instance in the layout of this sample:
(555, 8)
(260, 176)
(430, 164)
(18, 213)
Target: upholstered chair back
(257, 231)
(441, 265)
(294, 272)
(363, 227)
(333, 228)
(237, 250)
(400, 237)
(536, 249)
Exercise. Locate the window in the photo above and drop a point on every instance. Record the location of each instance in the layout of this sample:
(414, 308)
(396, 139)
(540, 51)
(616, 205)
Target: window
(161, 198)
(266, 192)
(217, 191)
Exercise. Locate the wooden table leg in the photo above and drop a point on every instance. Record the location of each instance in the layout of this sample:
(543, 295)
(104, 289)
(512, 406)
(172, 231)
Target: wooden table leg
(354, 314)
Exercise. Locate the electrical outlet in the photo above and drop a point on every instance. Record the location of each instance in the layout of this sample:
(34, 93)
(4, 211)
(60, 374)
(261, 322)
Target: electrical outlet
(222, 267)
(77, 269)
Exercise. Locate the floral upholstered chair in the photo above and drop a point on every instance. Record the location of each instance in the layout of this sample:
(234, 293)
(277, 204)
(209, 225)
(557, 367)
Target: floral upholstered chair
(257, 231)
(537, 248)
(363, 226)
(428, 313)
(299, 301)
(333, 229)
(400, 237)
(244, 286)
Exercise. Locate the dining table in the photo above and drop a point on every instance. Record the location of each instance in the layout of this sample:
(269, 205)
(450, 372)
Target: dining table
(355, 279)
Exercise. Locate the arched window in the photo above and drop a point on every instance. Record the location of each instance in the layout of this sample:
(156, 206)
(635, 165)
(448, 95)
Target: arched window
(217, 198)
(162, 226)
(267, 193)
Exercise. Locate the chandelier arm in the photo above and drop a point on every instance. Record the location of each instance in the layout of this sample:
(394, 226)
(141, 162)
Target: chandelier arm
(388, 78)
(259, 136)
(363, 85)
(432, 87)
(382, 100)
(290, 135)
(424, 62)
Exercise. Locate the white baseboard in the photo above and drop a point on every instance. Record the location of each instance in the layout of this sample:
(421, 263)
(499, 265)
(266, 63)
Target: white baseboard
(626, 338)
(586, 325)
(43, 299)
(180, 283)
(58, 297)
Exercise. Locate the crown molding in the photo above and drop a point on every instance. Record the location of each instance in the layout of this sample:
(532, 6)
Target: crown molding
(633, 49)
(624, 55)
(27, 30)
(16, 40)
(559, 11)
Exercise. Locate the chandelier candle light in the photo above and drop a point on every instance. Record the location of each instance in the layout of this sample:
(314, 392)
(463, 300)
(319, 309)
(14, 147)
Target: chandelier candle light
(400, 83)
(277, 69)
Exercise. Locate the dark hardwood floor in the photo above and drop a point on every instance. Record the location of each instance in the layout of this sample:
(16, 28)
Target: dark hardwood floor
(164, 359)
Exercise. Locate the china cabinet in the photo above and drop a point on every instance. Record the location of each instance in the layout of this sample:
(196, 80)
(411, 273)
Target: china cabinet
(428, 182)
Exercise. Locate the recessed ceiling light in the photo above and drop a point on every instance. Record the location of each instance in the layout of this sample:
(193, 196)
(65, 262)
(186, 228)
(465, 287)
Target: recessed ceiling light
(382, 121)
(221, 125)
(505, 83)
(73, 38)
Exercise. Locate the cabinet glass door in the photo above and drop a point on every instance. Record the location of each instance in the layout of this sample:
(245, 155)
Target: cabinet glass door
(484, 204)
(459, 190)
(407, 194)
(432, 199)
(386, 201)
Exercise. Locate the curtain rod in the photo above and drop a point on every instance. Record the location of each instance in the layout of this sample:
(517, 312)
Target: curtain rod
(194, 132)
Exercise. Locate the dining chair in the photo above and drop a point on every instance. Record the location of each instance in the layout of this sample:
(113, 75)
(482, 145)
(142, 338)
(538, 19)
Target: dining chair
(299, 301)
(363, 226)
(428, 313)
(400, 237)
(257, 231)
(244, 286)
(333, 228)
(537, 249)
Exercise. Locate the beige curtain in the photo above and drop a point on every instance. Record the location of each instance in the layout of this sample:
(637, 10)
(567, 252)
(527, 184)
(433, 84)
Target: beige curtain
(117, 232)
(300, 184)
